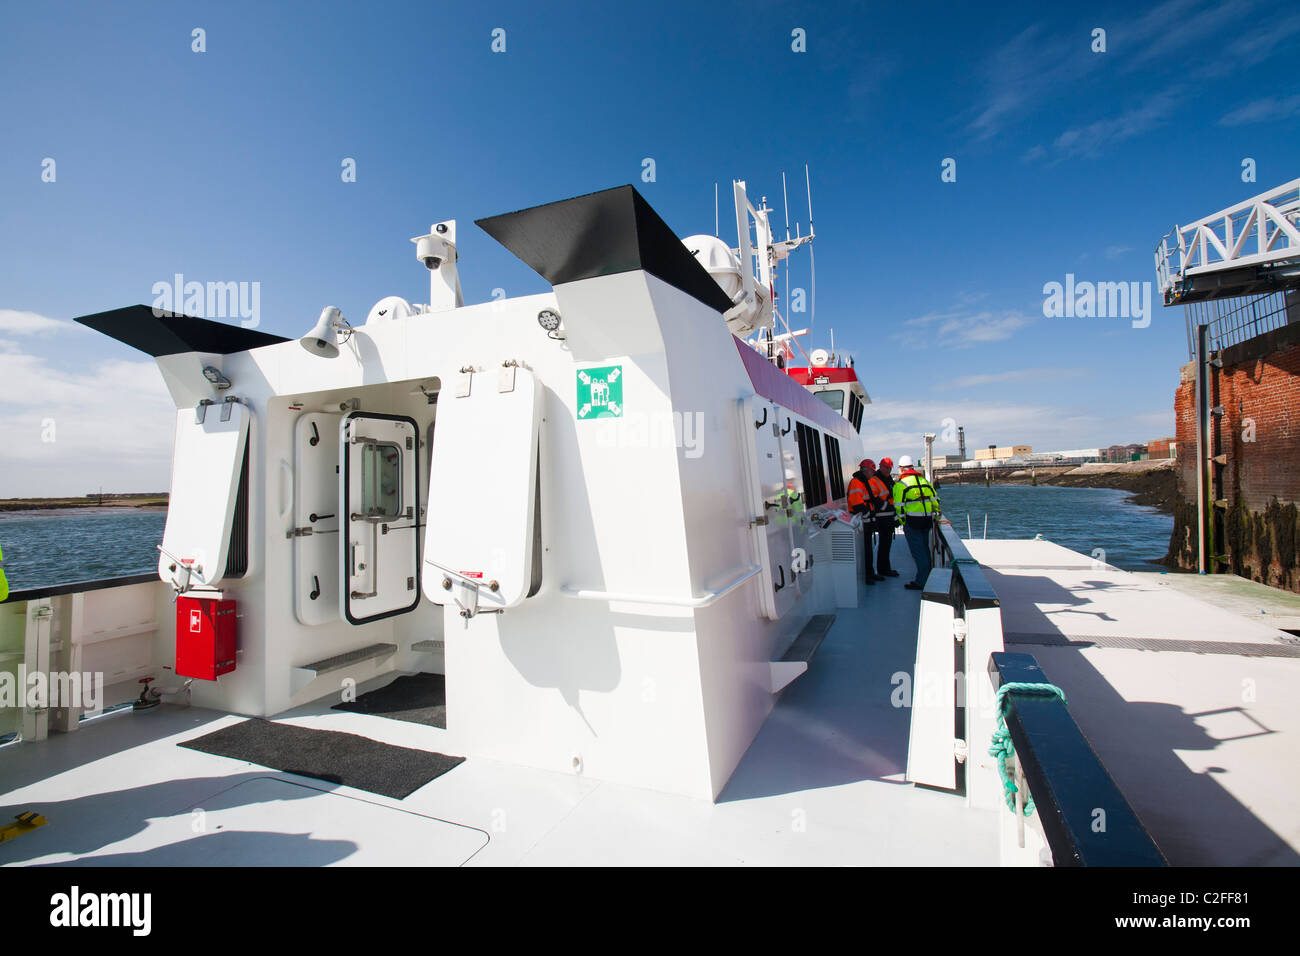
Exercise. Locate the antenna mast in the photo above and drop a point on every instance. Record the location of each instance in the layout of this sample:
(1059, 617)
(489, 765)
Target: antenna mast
(812, 262)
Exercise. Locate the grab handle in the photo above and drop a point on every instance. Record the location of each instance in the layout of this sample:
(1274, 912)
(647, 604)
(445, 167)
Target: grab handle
(286, 489)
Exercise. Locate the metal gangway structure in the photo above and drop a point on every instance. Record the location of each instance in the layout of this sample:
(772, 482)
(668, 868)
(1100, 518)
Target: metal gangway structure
(1237, 274)
(1247, 249)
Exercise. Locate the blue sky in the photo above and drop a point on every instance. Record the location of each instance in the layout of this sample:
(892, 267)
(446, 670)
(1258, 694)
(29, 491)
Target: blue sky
(225, 166)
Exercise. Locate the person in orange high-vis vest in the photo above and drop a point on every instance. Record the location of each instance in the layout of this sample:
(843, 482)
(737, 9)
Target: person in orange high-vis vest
(866, 497)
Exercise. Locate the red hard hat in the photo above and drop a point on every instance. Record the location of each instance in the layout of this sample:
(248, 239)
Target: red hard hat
(867, 464)
(887, 464)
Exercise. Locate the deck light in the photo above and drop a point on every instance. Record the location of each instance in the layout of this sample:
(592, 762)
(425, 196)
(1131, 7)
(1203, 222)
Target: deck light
(548, 319)
(330, 329)
(214, 376)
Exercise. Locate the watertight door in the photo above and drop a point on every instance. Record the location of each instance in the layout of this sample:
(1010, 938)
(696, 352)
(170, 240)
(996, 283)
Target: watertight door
(378, 516)
(315, 517)
(207, 465)
(770, 494)
(482, 536)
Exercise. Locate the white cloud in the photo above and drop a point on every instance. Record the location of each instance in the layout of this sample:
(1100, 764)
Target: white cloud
(961, 328)
(1090, 140)
(1255, 46)
(111, 424)
(1268, 109)
(1164, 31)
(1178, 42)
(1016, 375)
(16, 322)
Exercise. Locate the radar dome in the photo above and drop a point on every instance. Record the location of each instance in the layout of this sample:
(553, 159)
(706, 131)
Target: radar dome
(718, 261)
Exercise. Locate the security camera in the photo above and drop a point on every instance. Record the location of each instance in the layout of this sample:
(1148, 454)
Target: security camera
(437, 247)
(430, 250)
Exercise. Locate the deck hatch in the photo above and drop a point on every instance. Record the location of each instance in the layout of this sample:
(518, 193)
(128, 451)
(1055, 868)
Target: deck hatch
(482, 536)
(208, 464)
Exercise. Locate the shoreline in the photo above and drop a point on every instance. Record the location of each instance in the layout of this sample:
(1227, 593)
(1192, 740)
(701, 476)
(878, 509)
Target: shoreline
(1153, 486)
(156, 501)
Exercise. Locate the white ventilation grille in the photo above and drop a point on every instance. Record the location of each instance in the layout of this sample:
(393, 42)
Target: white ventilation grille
(843, 541)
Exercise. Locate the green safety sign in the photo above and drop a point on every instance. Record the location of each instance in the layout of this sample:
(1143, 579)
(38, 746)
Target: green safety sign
(600, 392)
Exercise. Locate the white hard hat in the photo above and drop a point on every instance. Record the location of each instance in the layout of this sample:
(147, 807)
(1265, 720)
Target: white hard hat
(905, 461)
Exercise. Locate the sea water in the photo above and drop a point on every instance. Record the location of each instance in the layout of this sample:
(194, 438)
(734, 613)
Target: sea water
(43, 548)
(1133, 537)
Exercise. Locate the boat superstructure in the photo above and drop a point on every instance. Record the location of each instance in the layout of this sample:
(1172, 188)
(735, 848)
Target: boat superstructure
(595, 510)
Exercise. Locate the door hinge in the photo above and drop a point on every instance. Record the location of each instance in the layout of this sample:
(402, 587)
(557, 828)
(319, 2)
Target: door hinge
(758, 522)
(959, 630)
(298, 533)
(42, 613)
(410, 443)
(959, 750)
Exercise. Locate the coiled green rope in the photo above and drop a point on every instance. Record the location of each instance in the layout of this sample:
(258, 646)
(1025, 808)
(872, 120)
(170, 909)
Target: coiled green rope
(1002, 747)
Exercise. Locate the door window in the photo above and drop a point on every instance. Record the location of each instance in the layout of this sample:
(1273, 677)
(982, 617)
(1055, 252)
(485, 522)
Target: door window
(381, 480)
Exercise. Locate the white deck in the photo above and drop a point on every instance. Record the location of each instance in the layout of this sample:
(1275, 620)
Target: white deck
(1201, 740)
(821, 784)
(1200, 736)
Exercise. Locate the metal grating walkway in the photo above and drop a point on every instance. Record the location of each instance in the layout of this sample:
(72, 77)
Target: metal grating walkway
(1126, 642)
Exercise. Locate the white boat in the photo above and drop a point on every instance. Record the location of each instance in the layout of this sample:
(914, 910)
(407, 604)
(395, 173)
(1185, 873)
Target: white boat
(610, 518)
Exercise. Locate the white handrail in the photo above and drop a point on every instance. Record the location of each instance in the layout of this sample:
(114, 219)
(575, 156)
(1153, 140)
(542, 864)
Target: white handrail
(703, 600)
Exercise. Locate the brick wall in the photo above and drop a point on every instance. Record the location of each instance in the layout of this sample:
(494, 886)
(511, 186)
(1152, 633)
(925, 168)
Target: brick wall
(1259, 432)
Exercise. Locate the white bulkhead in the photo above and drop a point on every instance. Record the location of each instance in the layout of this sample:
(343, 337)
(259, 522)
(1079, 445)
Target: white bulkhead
(598, 530)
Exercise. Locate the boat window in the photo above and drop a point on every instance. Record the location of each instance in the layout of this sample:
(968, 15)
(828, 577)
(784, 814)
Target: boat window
(835, 470)
(812, 465)
(381, 480)
(855, 411)
(820, 469)
(834, 397)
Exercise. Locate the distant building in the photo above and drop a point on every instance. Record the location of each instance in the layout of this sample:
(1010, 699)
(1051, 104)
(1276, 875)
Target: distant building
(1002, 451)
(1162, 448)
(1082, 454)
(948, 461)
(1129, 452)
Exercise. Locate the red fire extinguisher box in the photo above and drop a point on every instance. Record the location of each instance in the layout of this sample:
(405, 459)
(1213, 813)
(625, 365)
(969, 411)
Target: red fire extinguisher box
(205, 637)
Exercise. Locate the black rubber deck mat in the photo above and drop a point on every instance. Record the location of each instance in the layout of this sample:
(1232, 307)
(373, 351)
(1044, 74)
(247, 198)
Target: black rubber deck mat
(415, 698)
(346, 759)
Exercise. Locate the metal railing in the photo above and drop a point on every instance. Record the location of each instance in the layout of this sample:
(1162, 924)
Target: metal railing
(78, 587)
(1262, 231)
(959, 626)
(1235, 320)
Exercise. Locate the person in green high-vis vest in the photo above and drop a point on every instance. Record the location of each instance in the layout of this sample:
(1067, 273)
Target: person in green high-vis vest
(4, 583)
(917, 505)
